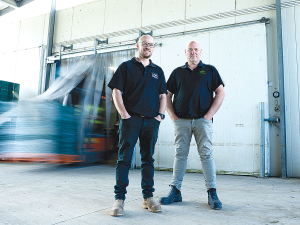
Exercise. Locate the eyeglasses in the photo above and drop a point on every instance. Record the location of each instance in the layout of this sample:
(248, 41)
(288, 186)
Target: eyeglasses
(196, 50)
(145, 44)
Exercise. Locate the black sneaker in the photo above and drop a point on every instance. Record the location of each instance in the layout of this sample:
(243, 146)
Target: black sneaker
(213, 199)
(173, 196)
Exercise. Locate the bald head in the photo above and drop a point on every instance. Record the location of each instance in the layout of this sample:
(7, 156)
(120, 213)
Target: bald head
(145, 38)
(145, 46)
(192, 44)
(193, 53)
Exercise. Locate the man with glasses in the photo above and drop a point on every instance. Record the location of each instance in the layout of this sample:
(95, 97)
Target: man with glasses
(192, 111)
(139, 94)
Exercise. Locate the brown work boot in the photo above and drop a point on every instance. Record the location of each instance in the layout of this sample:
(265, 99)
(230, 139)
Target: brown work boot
(151, 205)
(118, 208)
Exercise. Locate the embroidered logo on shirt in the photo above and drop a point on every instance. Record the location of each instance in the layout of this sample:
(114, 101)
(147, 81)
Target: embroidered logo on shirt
(202, 72)
(155, 75)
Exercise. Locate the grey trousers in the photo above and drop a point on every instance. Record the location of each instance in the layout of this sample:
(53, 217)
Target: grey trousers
(202, 130)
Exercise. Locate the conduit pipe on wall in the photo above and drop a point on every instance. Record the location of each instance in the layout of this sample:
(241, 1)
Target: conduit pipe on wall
(263, 138)
(262, 145)
(281, 90)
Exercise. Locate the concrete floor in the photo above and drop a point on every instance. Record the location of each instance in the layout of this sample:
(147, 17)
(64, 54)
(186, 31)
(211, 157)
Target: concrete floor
(71, 195)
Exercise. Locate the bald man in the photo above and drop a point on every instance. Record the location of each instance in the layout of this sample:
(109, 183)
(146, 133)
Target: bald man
(191, 111)
(139, 94)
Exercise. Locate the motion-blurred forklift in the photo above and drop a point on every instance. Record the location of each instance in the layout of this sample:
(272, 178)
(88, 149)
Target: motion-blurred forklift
(100, 138)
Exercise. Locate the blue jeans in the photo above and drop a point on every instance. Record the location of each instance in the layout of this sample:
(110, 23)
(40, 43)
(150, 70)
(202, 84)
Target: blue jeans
(202, 130)
(146, 129)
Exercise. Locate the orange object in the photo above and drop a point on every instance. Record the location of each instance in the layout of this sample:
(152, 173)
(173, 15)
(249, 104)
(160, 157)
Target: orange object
(98, 144)
(41, 157)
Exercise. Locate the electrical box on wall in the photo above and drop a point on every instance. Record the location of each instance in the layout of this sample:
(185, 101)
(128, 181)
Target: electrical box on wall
(9, 91)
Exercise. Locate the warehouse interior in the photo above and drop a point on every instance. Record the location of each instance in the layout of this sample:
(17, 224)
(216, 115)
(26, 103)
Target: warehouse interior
(36, 42)
(57, 57)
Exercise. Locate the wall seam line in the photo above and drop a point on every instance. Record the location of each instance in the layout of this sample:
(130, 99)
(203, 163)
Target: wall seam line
(17, 51)
(297, 74)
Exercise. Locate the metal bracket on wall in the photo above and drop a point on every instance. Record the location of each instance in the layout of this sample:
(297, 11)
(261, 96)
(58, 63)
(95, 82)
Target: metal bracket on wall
(141, 33)
(64, 48)
(49, 61)
(276, 120)
(265, 20)
(99, 42)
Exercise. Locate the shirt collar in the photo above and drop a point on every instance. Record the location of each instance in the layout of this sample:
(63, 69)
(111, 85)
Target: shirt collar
(201, 64)
(137, 62)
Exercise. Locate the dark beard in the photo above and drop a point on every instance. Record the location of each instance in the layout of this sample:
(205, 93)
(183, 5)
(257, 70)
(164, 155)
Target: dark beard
(146, 57)
(142, 55)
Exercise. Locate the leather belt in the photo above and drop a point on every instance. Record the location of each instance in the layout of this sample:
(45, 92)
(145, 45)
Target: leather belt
(139, 115)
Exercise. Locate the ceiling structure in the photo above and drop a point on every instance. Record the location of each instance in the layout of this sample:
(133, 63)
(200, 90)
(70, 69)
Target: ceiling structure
(7, 6)
(13, 10)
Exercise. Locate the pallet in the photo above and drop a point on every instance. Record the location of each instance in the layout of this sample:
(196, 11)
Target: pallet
(50, 158)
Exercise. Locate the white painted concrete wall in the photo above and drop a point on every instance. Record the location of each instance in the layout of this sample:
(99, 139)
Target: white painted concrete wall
(19, 44)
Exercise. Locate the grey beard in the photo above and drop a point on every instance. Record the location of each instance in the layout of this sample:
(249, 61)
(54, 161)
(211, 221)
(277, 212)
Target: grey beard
(145, 57)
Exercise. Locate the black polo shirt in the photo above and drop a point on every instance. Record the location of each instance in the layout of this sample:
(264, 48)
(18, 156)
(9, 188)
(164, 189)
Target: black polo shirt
(193, 90)
(140, 86)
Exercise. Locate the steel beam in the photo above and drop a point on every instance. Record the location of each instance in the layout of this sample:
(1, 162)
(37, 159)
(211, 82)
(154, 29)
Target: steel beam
(6, 10)
(10, 3)
(24, 2)
(281, 90)
(50, 42)
(41, 75)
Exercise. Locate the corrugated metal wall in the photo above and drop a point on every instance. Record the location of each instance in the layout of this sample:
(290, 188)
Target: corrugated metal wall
(239, 54)
(291, 55)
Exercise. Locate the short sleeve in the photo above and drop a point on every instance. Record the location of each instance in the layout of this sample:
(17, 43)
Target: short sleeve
(217, 80)
(162, 88)
(118, 79)
(171, 83)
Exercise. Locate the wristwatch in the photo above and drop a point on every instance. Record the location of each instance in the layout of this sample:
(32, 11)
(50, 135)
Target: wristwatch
(161, 115)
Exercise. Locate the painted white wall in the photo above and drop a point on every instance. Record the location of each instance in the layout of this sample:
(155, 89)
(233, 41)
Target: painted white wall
(80, 24)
